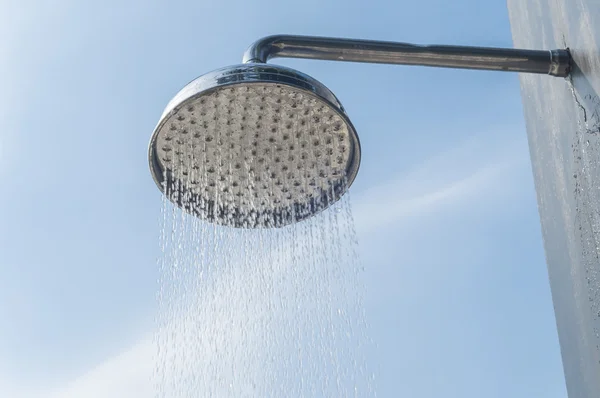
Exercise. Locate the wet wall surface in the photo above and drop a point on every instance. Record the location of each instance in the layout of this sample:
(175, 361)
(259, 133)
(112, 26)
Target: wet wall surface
(563, 127)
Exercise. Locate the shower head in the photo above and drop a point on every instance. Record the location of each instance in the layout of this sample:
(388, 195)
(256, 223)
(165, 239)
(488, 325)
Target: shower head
(259, 145)
(254, 145)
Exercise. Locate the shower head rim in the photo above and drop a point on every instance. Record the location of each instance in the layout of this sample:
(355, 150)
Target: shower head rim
(249, 74)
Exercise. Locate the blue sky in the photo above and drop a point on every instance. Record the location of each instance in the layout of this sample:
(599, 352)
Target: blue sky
(458, 298)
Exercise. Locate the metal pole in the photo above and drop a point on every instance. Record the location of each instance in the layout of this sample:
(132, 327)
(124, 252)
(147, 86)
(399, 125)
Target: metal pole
(551, 62)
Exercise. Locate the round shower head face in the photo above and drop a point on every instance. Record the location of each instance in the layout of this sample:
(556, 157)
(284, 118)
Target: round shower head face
(254, 145)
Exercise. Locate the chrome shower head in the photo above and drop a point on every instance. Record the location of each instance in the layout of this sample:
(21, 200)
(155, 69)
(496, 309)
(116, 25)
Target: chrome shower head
(254, 145)
(259, 145)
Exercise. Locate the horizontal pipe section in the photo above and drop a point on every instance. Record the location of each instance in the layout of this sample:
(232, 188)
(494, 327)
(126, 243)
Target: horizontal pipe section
(554, 62)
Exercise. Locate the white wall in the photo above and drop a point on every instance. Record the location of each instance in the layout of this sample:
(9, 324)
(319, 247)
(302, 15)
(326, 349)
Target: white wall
(563, 127)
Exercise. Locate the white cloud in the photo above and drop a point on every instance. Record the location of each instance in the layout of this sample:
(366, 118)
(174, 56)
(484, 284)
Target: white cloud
(126, 375)
(475, 168)
(388, 204)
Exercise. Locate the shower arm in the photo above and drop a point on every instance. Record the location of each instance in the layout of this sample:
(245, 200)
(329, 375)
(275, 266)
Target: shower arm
(550, 62)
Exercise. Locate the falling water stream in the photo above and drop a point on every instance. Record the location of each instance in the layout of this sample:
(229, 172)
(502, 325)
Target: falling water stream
(261, 313)
(248, 310)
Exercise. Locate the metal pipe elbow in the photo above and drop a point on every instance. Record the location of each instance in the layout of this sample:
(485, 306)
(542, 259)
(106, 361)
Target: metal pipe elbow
(264, 49)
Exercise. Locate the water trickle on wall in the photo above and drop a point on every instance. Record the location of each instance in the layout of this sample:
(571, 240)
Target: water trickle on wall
(265, 312)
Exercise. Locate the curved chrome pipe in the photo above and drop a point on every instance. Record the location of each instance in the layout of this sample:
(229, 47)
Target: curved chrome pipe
(553, 62)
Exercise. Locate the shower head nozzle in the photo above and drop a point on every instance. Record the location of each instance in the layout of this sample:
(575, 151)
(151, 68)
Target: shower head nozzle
(254, 145)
